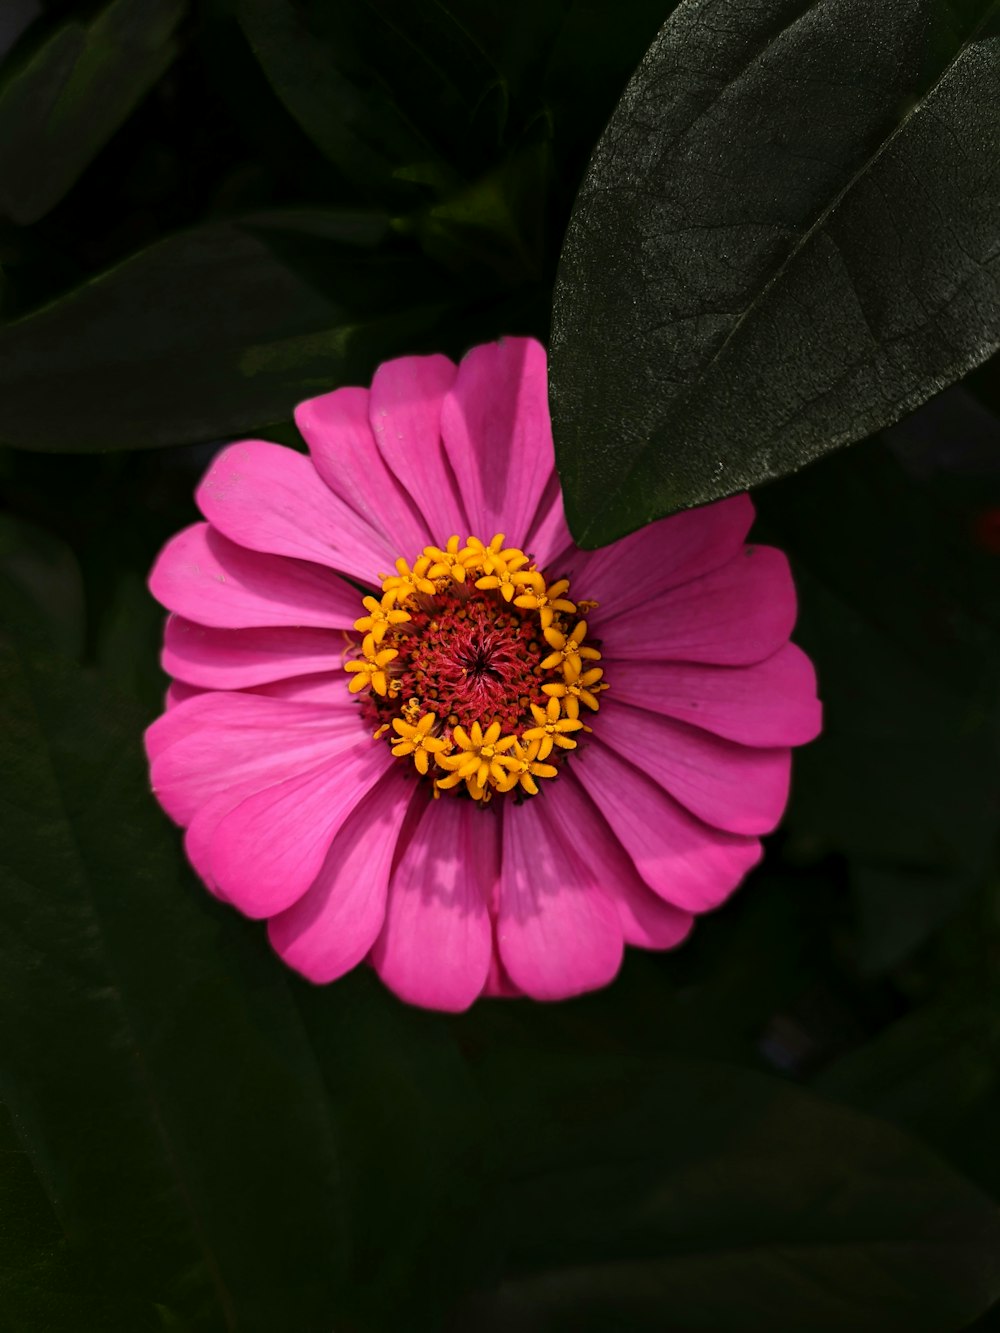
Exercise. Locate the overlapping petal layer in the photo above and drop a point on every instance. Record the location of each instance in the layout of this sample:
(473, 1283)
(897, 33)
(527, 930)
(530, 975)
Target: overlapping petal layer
(294, 813)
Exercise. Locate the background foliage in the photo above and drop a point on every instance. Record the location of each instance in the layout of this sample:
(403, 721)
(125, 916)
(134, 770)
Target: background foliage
(211, 210)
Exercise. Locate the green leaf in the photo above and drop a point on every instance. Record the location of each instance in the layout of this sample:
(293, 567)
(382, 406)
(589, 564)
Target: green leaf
(787, 238)
(41, 1284)
(696, 1197)
(415, 1128)
(900, 613)
(898, 909)
(894, 538)
(904, 773)
(45, 573)
(935, 1073)
(594, 50)
(214, 332)
(378, 88)
(495, 224)
(61, 108)
(154, 1061)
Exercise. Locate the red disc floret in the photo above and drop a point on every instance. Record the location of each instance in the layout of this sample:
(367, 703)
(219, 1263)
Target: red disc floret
(474, 667)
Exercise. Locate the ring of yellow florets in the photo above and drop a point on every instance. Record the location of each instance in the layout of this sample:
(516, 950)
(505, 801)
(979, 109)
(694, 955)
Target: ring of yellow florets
(474, 666)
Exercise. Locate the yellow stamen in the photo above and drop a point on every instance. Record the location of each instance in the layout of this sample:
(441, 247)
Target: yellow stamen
(547, 601)
(554, 676)
(551, 729)
(492, 557)
(372, 671)
(503, 577)
(584, 688)
(418, 741)
(524, 767)
(570, 652)
(479, 758)
(380, 617)
(450, 562)
(406, 581)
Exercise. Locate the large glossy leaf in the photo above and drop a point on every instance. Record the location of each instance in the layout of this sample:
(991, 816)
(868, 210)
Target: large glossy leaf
(216, 331)
(58, 110)
(157, 1070)
(694, 1197)
(787, 237)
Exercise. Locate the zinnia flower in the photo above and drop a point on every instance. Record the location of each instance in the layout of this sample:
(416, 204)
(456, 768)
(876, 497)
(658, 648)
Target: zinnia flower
(412, 723)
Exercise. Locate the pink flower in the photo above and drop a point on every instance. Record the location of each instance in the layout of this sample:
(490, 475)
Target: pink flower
(515, 775)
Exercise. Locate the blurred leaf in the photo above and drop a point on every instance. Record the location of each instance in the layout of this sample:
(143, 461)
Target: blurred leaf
(128, 637)
(46, 571)
(715, 994)
(953, 439)
(41, 1285)
(377, 86)
(408, 101)
(415, 1129)
(177, 1121)
(786, 240)
(898, 908)
(905, 771)
(694, 1197)
(900, 612)
(595, 48)
(211, 333)
(894, 536)
(936, 1073)
(61, 108)
(497, 223)
(209, 1126)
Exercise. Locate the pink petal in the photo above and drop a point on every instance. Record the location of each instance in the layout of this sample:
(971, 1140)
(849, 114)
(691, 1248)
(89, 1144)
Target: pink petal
(663, 555)
(549, 539)
(271, 499)
(770, 703)
(406, 399)
(338, 431)
(495, 423)
(737, 615)
(435, 946)
(199, 833)
(733, 787)
(334, 924)
(205, 577)
(267, 851)
(558, 932)
(498, 983)
(178, 693)
(686, 862)
(211, 742)
(326, 688)
(646, 920)
(201, 830)
(229, 659)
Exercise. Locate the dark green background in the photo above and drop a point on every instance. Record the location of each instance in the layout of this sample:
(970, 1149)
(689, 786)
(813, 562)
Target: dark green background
(791, 1123)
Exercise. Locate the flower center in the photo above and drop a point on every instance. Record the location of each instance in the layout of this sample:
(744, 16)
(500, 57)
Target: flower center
(474, 668)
